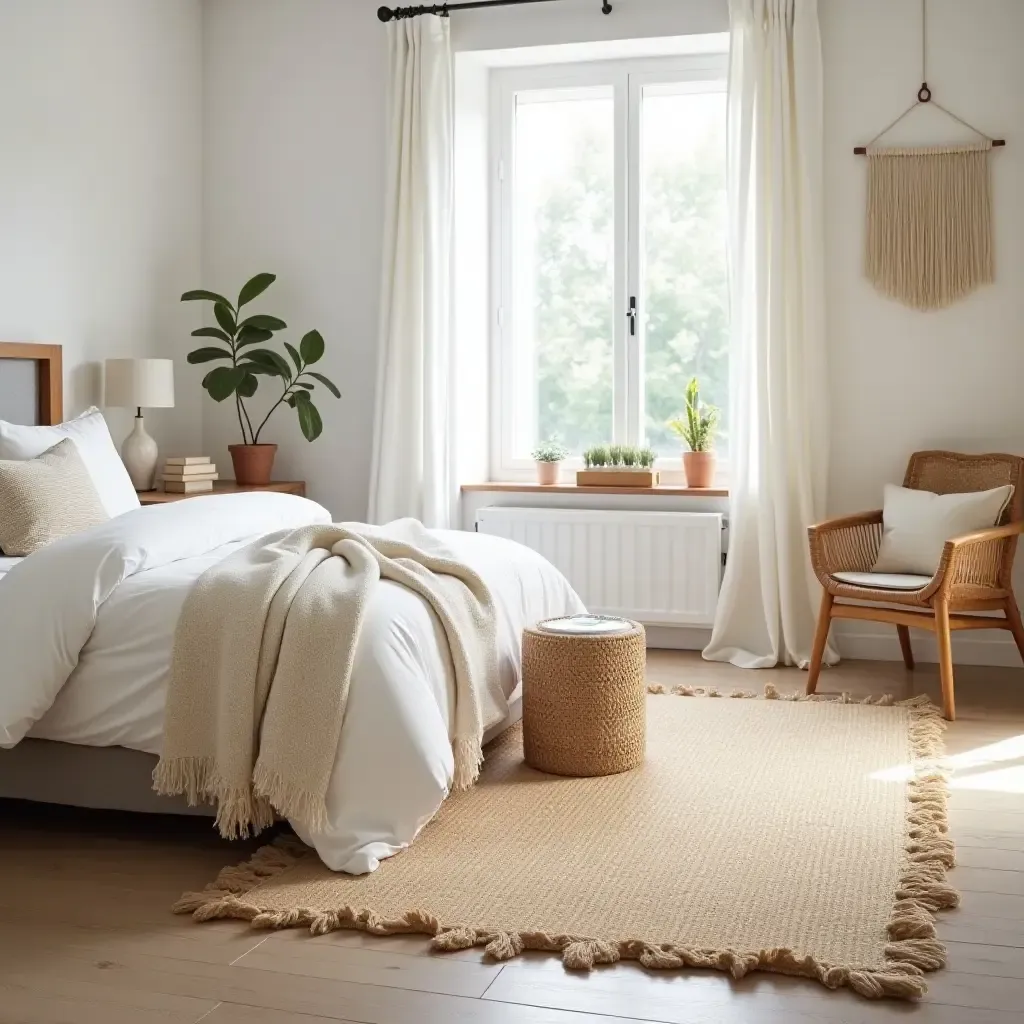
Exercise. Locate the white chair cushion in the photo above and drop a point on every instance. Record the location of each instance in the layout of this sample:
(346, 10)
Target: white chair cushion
(917, 524)
(883, 580)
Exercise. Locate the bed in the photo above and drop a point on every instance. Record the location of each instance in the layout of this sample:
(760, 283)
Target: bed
(93, 741)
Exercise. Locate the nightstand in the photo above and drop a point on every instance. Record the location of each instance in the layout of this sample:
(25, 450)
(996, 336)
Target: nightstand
(225, 487)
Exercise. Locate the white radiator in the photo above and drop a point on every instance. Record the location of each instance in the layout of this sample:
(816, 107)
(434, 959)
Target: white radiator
(661, 568)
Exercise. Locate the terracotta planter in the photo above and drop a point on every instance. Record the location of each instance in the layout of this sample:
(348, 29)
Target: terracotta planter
(548, 472)
(253, 463)
(699, 468)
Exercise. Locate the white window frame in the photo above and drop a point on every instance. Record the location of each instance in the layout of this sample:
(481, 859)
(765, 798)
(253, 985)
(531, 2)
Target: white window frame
(627, 79)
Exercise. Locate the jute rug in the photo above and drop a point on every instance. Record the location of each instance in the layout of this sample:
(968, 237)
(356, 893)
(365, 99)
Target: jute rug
(800, 836)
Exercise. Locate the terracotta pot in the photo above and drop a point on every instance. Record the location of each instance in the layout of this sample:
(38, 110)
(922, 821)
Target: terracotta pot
(699, 468)
(253, 463)
(548, 472)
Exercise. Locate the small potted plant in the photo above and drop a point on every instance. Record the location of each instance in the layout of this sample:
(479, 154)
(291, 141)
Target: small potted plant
(240, 342)
(697, 428)
(618, 465)
(549, 455)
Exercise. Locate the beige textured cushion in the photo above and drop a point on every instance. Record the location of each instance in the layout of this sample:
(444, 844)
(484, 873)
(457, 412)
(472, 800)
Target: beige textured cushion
(46, 498)
(90, 433)
(917, 524)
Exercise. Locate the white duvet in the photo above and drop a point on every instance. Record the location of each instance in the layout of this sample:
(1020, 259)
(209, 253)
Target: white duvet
(87, 627)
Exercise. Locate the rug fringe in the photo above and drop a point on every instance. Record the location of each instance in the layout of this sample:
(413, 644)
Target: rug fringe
(928, 852)
(911, 951)
(238, 879)
(771, 692)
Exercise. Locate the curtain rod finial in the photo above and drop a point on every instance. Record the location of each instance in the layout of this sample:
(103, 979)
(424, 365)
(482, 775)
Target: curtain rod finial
(385, 13)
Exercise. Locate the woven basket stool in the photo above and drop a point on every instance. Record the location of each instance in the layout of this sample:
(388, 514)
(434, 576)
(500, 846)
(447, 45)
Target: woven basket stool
(584, 702)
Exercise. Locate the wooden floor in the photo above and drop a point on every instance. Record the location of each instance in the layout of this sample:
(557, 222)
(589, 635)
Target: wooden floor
(86, 936)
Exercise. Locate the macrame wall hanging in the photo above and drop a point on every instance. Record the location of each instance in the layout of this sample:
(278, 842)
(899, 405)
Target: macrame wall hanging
(929, 218)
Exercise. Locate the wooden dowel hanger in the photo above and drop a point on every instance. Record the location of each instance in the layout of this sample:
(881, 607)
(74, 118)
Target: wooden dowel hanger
(863, 150)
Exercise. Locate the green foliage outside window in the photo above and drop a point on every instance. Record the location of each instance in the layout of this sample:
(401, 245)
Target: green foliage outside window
(686, 304)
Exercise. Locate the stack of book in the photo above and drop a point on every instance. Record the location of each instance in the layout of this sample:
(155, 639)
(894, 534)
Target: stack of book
(189, 474)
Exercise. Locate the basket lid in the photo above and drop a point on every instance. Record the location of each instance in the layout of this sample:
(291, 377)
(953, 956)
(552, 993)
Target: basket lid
(586, 625)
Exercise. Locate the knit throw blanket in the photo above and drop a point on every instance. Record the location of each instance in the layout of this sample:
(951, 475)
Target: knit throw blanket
(263, 657)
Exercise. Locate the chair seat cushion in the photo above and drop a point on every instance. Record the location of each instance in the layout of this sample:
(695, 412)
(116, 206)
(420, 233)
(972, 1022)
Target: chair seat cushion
(883, 580)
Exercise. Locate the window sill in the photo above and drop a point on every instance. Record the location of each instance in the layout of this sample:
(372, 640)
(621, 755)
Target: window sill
(665, 490)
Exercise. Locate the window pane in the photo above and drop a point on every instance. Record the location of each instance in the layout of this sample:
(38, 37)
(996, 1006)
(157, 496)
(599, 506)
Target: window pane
(685, 277)
(563, 270)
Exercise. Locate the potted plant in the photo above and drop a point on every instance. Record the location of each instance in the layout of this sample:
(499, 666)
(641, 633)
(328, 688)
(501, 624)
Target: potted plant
(549, 455)
(697, 428)
(240, 347)
(618, 465)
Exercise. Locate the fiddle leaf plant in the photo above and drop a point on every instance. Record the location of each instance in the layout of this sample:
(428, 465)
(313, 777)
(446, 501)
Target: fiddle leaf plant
(242, 348)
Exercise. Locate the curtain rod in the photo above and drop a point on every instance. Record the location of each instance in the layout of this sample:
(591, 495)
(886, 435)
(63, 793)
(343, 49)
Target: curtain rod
(396, 13)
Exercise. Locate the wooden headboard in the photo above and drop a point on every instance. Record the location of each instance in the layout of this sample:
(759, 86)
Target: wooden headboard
(49, 378)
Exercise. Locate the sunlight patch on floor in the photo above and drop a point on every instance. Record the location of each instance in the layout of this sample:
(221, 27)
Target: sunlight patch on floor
(1003, 780)
(965, 768)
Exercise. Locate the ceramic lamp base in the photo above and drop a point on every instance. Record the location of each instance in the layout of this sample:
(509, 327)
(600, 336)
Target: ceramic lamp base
(139, 454)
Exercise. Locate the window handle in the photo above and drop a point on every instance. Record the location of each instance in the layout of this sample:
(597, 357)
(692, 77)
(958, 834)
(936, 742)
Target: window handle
(631, 315)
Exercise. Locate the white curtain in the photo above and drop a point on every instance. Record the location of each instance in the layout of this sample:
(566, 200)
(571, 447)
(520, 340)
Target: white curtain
(778, 415)
(412, 468)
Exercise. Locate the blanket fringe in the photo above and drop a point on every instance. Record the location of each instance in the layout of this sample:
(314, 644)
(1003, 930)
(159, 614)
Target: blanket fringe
(290, 800)
(911, 951)
(240, 812)
(469, 758)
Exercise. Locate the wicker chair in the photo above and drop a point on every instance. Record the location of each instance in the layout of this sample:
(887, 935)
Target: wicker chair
(973, 575)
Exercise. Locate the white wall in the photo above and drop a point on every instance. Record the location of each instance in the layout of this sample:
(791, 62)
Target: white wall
(100, 113)
(581, 21)
(900, 380)
(293, 176)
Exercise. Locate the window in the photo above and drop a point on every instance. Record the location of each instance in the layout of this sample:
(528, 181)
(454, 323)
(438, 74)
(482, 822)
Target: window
(609, 252)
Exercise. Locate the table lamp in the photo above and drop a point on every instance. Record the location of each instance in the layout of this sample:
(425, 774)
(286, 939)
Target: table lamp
(139, 384)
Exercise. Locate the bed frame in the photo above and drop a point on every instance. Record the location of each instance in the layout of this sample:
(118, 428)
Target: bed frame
(110, 778)
(46, 364)
(41, 770)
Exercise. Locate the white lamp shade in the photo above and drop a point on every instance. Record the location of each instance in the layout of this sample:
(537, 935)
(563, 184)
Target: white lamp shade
(139, 383)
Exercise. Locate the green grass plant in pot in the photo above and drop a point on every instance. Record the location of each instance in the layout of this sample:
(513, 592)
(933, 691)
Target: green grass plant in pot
(240, 346)
(697, 428)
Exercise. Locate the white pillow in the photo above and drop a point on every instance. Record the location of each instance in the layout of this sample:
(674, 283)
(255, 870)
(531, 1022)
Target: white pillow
(917, 524)
(92, 439)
